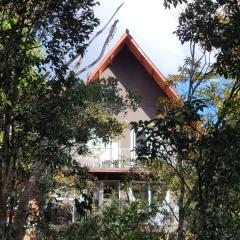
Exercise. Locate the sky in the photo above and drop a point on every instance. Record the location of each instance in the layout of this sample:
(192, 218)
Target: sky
(150, 24)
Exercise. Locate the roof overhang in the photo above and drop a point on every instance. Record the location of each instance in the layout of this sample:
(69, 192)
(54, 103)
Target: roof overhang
(127, 40)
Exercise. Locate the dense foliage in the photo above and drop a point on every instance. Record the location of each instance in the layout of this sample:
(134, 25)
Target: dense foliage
(117, 222)
(195, 143)
(44, 109)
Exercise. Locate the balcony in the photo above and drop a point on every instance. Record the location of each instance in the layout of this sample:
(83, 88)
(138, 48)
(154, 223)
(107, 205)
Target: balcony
(108, 158)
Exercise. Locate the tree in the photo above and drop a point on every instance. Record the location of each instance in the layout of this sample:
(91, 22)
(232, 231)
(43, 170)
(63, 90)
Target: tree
(203, 152)
(41, 118)
(214, 26)
(202, 163)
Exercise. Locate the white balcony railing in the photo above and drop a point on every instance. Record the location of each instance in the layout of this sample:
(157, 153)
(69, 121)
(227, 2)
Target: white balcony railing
(108, 158)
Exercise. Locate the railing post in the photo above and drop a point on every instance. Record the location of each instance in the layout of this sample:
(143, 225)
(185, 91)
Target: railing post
(73, 205)
(101, 189)
(119, 191)
(149, 193)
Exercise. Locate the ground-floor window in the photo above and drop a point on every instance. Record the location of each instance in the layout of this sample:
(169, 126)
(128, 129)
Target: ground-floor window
(124, 192)
(83, 205)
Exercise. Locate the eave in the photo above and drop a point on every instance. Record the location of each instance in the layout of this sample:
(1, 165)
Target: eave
(126, 39)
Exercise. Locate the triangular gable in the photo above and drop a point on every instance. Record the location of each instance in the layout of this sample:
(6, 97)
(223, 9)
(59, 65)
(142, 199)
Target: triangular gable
(126, 39)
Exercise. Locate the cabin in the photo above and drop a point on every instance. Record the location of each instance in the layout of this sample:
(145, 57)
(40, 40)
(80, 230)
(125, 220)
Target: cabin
(110, 163)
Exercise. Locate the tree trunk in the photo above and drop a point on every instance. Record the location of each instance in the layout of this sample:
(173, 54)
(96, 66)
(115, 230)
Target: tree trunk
(3, 213)
(181, 218)
(5, 172)
(28, 194)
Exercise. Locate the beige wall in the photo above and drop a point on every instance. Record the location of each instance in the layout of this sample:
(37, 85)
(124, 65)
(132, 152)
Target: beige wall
(132, 75)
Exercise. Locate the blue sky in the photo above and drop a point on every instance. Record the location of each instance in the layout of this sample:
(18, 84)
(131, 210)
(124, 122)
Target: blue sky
(150, 24)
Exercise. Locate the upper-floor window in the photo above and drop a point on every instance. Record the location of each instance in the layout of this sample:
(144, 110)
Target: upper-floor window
(135, 141)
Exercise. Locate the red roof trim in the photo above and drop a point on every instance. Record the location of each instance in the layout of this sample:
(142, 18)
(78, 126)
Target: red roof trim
(127, 39)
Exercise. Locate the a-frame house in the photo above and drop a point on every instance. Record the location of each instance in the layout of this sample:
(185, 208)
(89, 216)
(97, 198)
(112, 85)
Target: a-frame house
(110, 163)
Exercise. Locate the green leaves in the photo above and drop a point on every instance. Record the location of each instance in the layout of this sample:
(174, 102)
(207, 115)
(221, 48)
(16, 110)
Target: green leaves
(168, 3)
(214, 25)
(117, 222)
(205, 160)
(61, 27)
(42, 116)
